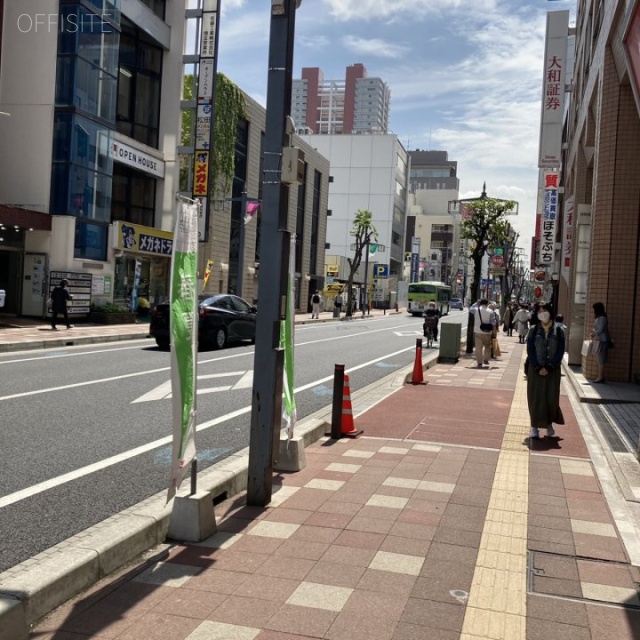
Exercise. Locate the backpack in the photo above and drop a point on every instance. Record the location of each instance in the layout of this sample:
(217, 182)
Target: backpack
(315, 299)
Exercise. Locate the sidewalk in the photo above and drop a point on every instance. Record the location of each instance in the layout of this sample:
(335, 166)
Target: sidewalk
(17, 334)
(440, 522)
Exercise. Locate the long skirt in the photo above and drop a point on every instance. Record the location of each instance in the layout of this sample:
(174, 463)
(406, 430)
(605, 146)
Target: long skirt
(543, 397)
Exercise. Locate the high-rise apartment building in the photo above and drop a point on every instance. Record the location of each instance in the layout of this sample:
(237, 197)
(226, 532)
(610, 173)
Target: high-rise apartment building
(355, 104)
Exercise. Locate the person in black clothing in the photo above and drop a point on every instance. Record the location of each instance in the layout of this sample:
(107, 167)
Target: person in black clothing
(59, 297)
(432, 312)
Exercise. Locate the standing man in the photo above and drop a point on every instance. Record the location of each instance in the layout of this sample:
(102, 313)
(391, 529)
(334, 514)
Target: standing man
(59, 298)
(484, 324)
(315, 305)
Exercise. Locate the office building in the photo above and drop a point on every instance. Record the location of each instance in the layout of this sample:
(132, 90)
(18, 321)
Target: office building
(355, 104)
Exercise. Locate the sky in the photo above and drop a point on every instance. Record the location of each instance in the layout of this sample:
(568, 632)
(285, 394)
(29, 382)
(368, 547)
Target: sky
(465, 76)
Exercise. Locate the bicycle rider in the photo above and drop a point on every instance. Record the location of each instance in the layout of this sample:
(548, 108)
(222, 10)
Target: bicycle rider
(432, 312)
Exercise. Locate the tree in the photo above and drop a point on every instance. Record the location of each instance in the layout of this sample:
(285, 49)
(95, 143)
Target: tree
(485, 225)
(363, 231)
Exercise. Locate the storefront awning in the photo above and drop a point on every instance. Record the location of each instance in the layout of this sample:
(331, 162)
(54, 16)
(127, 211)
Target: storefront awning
(26, 219)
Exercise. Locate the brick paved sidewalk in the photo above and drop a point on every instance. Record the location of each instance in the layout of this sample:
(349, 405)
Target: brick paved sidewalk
(439, 523)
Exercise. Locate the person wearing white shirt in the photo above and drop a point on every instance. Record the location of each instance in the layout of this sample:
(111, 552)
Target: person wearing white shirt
(484, 325)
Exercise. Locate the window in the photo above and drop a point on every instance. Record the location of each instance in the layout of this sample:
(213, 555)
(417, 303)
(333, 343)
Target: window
(139, 79)
(90, 241)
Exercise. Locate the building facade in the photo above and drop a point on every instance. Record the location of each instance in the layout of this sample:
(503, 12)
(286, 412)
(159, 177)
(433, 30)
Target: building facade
(355, 104)
(92, 88)
(434, 184)
(308, 204)
(600, 230)
(368, 172)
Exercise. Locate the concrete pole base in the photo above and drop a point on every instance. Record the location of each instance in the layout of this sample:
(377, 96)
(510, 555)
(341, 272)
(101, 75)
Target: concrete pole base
(14, 624)
(292, 456)
(192, 518)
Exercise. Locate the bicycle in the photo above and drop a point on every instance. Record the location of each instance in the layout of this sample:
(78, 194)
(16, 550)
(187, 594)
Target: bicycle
(429, 330)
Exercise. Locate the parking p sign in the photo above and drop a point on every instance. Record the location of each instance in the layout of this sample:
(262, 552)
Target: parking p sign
(380, 270)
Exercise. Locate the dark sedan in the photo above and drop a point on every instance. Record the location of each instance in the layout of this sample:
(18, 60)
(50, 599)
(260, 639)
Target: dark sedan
(222, 319)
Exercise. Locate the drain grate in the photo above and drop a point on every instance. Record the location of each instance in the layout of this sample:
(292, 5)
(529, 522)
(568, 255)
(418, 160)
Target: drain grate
(610, 433)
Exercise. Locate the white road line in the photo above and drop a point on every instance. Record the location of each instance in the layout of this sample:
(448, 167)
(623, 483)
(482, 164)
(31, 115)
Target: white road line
(52, 356)
(132, 453)
(75, 385)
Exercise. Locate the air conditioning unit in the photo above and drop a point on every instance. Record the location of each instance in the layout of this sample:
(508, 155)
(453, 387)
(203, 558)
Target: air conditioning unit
(292, 165)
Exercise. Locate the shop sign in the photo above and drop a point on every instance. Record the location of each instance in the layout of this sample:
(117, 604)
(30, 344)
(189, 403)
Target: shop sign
(79, 287)
(549, 216)
(139, 239)
(132, 157)
(203, 126)
(200, 174)
(101, 286)
(208, 41)
(205, 81)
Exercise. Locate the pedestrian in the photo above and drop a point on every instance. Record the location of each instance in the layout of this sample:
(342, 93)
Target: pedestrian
(522, 323)
(338, 303)
(560, 321)
(434, 314)
(483, 328)
(602, 338)
(545, 350)
(59, 298)
(507, 326)
(315, 305)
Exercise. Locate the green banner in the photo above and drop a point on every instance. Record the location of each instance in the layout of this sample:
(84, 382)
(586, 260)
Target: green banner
(184, 341)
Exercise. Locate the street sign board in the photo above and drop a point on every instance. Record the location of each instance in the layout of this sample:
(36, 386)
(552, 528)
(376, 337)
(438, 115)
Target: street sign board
(380, 270)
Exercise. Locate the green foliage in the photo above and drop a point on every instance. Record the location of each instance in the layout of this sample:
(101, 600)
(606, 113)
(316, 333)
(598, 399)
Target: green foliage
(229, 110)
(109, 308)
(486, 227)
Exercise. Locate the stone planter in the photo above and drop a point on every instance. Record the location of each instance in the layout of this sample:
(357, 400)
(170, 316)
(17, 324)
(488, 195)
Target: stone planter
(103, 317)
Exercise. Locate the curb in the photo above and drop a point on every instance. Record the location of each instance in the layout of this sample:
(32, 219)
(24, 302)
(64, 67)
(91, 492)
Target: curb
(7, 347)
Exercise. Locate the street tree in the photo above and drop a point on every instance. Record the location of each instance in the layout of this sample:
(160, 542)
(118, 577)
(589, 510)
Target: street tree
(363, 231)
(485, 225)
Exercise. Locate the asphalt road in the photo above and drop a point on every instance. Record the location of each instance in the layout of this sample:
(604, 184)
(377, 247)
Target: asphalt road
(85, 432)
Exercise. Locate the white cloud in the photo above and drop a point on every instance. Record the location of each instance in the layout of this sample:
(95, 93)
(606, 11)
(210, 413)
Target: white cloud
(395, 9)
(374, 47)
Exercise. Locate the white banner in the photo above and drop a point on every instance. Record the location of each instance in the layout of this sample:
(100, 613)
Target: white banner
(553, 85)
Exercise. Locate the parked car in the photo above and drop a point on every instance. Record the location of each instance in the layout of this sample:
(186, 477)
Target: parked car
(222, 318)
(456, 303)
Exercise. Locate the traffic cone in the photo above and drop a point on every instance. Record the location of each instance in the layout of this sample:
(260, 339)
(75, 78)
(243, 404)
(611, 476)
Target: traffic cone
(417, 377)
(348, 429)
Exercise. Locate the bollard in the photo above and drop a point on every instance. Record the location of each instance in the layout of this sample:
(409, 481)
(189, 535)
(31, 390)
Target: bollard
(396, 307)
(336, 410)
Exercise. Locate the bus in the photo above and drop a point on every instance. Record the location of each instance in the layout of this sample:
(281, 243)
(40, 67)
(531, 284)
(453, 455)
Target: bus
(420, 294)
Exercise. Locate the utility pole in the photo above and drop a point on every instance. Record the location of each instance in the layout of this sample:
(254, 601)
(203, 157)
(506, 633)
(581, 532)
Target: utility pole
(266, 406)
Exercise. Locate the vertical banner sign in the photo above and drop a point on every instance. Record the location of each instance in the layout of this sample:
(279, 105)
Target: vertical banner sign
(553, 83)
(415, 258)
(567, 238)
(136, 285)
(184, 343)
(549, 216)
(205, 112)
(207, 274)
(289, 413)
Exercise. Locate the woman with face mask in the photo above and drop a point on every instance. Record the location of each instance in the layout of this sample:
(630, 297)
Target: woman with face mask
(545, 350)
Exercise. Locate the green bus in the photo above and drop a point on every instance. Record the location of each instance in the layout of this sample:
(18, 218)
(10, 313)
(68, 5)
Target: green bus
(420, 294)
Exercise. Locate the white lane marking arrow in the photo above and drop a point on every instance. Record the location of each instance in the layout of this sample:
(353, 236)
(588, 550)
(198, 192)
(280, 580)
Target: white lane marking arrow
(163, 391)
(246, 382)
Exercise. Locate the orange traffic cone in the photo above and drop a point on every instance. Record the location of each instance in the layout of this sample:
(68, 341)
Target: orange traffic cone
(348, 429)
(417, 376)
